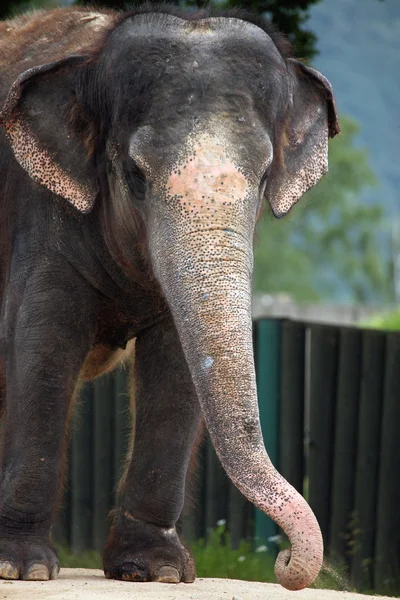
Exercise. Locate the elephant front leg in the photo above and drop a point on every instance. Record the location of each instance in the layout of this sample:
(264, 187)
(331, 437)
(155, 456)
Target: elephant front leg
(46, 340)
(143, 544)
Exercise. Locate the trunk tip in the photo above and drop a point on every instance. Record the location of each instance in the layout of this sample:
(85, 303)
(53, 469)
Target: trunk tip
(294, 574)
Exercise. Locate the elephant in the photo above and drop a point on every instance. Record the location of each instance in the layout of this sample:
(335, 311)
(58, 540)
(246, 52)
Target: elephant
(136, 152)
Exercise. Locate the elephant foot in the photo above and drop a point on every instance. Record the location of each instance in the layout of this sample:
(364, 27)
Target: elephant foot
(140, 551)
(31, 561)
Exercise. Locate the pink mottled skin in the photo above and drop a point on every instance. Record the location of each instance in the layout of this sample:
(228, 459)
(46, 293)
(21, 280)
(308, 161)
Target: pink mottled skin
(207, 173)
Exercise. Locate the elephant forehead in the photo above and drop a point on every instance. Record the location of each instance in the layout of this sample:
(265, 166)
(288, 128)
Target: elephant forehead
(154, 25)
(207, 174)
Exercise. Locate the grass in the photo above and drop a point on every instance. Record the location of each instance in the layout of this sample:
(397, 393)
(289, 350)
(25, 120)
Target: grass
(83, 560)
(216, 558)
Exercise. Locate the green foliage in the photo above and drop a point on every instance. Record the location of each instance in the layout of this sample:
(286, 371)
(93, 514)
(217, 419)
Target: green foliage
(331, 246)
(83, 560)
(387, 321)
(216, 558)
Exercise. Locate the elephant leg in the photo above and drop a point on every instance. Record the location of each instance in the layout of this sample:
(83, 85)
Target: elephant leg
(143, 544)
(46, 336)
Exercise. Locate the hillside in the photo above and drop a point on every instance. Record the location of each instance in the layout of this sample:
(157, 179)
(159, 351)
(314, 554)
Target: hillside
(359, 51)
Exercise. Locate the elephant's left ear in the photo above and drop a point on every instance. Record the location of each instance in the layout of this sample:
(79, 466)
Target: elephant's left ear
(36, 118)
(301, 147)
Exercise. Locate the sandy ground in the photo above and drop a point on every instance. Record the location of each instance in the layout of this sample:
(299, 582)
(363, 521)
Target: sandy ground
(85, 584)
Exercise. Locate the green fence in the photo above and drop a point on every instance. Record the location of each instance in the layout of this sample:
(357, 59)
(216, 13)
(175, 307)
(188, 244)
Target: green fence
(330, 414)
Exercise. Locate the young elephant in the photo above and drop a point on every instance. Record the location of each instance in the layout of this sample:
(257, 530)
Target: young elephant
(136, 149)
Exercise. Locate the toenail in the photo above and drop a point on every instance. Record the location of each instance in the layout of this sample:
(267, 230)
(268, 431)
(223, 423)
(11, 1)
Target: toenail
(54, 572)
(7, 571)
(168, 575)
(38, 572)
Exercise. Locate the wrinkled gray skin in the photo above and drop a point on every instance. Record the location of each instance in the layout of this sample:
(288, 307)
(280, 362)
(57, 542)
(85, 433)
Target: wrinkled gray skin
(203, 119)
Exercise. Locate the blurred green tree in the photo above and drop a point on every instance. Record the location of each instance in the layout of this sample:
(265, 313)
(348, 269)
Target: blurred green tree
(330, 247)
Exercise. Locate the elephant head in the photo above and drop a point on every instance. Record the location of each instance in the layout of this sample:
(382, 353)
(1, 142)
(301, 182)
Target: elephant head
(176, 129)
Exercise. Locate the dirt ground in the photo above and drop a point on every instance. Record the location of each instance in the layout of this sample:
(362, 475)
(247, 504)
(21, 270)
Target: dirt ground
(85, 584)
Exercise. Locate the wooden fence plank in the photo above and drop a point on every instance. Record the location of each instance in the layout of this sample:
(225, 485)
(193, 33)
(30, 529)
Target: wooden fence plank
(81, 470)
(387, 547)
(191, 524)
(237, 506)
(345, 445)
(61, 530)
(323, 373)
(103, 458)
(291, 447)
(268, 345)
(367, 465)
(122, 425)
(217, 485)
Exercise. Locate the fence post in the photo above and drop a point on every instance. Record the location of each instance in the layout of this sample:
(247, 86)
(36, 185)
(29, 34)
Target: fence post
(81, 520)
(123, 424)
(322, 405)
(216, 496)
(103, 391)
(291, 448)
(387, 559)
(268, 351)
(345, 443)
(367, 464)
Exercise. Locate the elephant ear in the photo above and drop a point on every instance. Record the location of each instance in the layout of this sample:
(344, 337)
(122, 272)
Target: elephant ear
(36, 119)
(302, 156)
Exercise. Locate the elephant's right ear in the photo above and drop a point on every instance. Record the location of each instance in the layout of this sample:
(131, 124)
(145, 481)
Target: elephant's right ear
(36, 118)
(310, 119)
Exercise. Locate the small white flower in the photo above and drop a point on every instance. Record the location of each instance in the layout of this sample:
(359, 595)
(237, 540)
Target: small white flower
(221, 522)
(275, 538)
(241, 558)
(261, 549)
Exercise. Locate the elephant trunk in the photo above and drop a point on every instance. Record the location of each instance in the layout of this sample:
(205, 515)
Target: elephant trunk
(201, 250)
(210, 299)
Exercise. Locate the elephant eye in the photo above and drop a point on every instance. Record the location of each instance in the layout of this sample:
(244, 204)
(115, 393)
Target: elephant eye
(136, 180)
